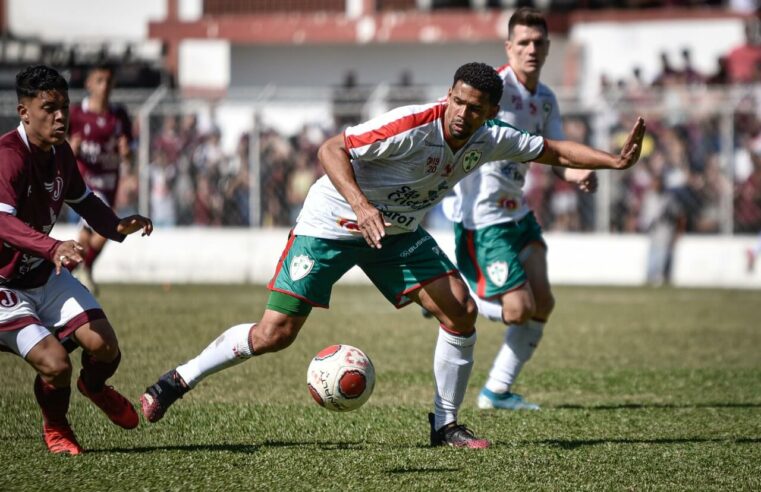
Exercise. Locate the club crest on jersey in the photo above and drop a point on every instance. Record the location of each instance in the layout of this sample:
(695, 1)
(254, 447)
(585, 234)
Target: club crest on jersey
(301, 265)
(470, 160)
(497, 272)
(55, 188)
(547, 107)
(8, 299)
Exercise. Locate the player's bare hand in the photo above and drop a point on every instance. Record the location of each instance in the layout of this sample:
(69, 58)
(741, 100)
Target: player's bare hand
(585, 179)
(371, 224)
(68, 253)
(633, 146)
(134, 223)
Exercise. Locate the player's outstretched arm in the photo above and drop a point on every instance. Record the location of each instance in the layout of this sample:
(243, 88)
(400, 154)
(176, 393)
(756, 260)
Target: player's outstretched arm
(335, 160)
(579, 156)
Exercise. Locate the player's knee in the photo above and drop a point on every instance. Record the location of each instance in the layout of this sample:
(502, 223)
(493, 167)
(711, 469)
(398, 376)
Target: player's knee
(462, 316)
(273, 337)
(517, 313)
(106, 351)
(55, 369)
(544, 306)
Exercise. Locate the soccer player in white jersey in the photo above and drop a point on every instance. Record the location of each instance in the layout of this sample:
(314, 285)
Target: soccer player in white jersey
(499, 245)
(382, 176)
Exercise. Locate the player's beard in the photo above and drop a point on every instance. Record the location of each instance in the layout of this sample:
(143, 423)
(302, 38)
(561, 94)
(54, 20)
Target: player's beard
(461, 133)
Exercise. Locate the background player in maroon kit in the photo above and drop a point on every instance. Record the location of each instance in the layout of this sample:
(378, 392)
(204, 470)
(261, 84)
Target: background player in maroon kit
(43, 309)
(100, 136)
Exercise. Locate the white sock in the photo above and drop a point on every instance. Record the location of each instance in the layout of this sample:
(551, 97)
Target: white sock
(519, 346)
(491, 310)
(229, 349)
(452, 362)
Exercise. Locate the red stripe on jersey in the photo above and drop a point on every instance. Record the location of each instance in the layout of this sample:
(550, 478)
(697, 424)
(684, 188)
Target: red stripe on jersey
(503, 68)
(394, 128)
(480, 279)
(291, 239)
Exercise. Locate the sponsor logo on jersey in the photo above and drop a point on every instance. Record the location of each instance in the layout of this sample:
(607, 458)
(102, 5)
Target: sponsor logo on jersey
(428, 143)
(432, 164)
(507, 203)
(470, 160)
(447, 170)
(411, 249)
(497, 272)
(517, 102)
(301, 265)
(348, 224)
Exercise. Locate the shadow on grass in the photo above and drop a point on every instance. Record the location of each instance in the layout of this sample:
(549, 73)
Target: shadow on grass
(230, 448)
(577, 443)
(236, 448)
(635, 406)
(325, 446)
(421, 470)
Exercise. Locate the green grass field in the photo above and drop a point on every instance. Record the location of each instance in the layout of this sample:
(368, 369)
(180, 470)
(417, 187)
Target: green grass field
(641, 390)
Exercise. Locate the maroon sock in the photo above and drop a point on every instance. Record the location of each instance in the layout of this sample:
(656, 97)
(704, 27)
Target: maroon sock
(90, 256)
(54, 402)
(94, 373)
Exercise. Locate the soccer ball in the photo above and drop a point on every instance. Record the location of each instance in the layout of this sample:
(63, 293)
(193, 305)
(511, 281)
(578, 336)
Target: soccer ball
(341, 378)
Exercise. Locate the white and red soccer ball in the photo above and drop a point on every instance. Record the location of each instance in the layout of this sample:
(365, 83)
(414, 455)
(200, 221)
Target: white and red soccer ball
(341, 378)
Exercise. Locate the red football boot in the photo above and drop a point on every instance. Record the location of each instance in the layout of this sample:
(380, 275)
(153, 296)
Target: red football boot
(61, 440)
(116, 407)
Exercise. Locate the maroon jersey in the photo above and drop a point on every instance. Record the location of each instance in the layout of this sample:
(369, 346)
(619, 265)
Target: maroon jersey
(98, 155)
(32, 191)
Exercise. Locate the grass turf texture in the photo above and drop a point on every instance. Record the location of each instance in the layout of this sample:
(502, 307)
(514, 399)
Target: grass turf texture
(641, 389)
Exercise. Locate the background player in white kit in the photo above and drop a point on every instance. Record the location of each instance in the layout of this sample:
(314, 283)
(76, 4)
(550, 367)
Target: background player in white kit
(382, 177)
(499, 244)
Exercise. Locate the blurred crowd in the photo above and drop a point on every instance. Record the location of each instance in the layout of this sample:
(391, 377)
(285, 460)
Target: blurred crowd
(688, 181)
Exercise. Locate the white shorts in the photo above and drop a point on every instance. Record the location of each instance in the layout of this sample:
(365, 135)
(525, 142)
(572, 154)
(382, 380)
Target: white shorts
(21, 341)
(61, 306)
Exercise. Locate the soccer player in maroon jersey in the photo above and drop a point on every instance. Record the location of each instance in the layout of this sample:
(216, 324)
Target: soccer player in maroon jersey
(100, 134)
(44, 311)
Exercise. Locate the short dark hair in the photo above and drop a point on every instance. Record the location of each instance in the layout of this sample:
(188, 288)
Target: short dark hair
(39, 78)
(482, 77)
(104, 66)
(526, 16)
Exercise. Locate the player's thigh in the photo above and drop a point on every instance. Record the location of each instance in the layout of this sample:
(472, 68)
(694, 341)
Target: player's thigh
(489, 259)
(98, 338)
(406, 263)
(309, 266)
(535, 263)
(518, 305)
(448, 298)
(67, 306)
(48, 357)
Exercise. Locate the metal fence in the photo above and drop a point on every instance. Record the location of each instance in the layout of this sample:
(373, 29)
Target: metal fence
(248, 159)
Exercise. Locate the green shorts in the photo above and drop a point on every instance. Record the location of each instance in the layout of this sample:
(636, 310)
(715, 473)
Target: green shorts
(309, 266)
(489, 258)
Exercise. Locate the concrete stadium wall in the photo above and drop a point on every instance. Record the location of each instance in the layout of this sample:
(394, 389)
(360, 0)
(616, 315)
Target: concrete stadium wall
(202, 255)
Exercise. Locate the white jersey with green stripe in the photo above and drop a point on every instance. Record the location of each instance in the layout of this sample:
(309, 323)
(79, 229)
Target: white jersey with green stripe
(404, 166)
(493, 194)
